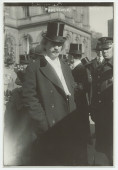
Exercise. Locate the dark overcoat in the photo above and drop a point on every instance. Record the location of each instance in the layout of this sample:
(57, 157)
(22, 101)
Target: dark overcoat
(43, 94)
(81, 78)
(45, 101)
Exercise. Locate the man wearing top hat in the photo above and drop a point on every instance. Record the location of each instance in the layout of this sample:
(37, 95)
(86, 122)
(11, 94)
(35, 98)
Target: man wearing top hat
(48, 98)
(102, 101)
(80, 70)
(82, 99)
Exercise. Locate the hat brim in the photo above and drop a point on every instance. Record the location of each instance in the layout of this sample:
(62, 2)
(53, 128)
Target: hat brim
(105, 47)
(75, 52)
(57, 39)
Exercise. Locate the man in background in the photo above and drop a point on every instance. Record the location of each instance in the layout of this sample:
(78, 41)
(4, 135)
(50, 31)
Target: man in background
(48, 99)
(82, 100)
(102, 101)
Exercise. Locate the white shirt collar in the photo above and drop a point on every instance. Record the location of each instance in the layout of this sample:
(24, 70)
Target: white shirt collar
(57, 67)
(100, 59)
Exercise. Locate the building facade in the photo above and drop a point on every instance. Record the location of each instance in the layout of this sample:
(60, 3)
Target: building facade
(24, 25)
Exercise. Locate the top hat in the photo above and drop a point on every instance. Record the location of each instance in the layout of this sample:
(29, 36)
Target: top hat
(55, 32)
(85, 61)
(75, 49)
(106, 42)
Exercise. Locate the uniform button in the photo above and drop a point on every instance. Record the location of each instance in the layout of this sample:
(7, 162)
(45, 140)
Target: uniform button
(98, 92)
(52, 105)
(100, 101)
(51, 91)
(53, 121)
(98, 77)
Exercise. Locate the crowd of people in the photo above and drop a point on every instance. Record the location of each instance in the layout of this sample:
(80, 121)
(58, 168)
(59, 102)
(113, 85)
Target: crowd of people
(47, 118)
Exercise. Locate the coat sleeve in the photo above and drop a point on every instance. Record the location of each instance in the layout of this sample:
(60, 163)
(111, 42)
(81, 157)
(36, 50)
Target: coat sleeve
(31, 101)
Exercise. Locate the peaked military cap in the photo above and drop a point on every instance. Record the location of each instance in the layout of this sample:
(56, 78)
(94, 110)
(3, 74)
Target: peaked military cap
(106, 42)
(55, 32)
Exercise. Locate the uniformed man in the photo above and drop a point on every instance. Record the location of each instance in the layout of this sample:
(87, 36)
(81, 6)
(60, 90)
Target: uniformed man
(95, 64)
(102, 100)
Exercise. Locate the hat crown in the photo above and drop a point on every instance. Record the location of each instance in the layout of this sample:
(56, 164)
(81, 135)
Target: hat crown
(55, 32)
(106, 42)
(75, 48)
(55, 29)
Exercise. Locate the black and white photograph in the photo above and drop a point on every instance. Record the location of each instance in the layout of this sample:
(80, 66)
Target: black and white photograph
(58, 72)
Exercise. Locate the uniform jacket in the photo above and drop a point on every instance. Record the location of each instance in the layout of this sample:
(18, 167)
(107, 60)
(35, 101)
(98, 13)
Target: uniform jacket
(102, 103)
(43, 96)
(102, 83)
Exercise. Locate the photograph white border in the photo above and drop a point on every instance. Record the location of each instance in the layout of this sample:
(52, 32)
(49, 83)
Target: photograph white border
(115, 88)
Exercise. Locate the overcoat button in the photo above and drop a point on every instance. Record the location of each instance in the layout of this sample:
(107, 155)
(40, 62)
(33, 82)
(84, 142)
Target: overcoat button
(53, 121)
(100, 101)
(51, 91)
(53, 106)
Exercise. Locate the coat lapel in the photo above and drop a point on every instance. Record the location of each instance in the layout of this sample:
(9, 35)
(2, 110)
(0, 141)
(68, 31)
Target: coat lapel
(50, 73)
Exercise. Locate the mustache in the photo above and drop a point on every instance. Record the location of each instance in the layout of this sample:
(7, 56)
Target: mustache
(55, 51)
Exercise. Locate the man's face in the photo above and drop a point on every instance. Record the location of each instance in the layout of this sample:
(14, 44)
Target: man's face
(53, 49)
(99, 53)
(108, 53)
